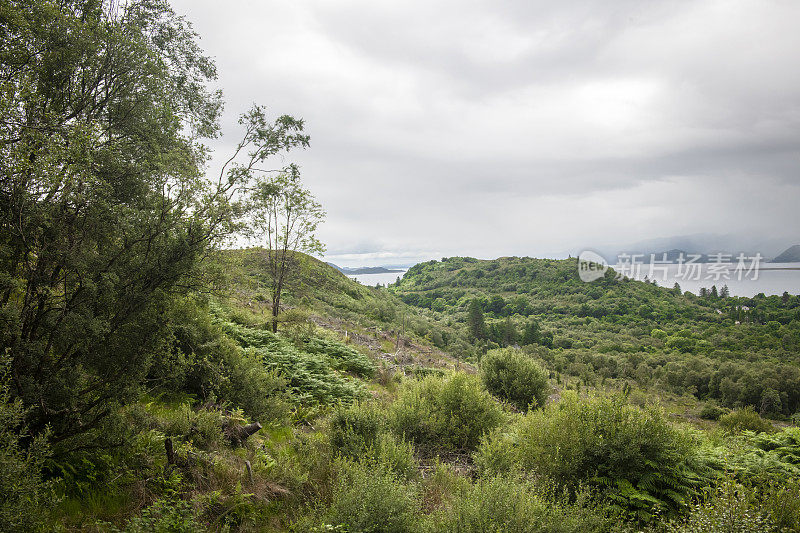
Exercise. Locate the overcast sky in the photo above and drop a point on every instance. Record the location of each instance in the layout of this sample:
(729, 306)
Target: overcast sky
(490, 128)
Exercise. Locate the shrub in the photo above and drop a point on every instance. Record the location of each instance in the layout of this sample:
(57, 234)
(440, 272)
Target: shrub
(782, 502)
(513, 376)
(24, 497)
(711, 412)
(633, 457)
(449, 413)
(731, 509)
(744, 420)
(396, 456)
(354, 429)
(167, 515)
(512, 506)
(371, 500)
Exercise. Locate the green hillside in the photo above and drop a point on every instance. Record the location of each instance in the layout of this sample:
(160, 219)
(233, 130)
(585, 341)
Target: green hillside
(738, 351)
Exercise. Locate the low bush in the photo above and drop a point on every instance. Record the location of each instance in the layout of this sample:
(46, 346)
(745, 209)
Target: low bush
(638, 463)
(396, 456)
(358, 432)
(371, 500)
(711, 412)
(730, 508)
(510, 506)
(354, 429)
(445, 414)
(513, 376)
(745, 419)
(24, 497)
(168, 515)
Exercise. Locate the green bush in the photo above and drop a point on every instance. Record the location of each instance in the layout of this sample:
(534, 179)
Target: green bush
(632, 457)
(448, 414)
(371, 500)
(745, 419)
(711, 412)
(513, 376)
(170, 515)
(731, 508)
(24, 497)
(511, 506)
(206, 363)
(396, 456)
(354, 429)
(782, 501)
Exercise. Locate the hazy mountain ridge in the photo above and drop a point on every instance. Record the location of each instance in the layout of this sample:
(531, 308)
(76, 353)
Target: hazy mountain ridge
(790, 255)
(364, 270)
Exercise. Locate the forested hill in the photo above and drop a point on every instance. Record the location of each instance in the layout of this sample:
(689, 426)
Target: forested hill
(734, 350)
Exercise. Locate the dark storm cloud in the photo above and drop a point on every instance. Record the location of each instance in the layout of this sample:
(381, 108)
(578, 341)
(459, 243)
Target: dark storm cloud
(498, 128)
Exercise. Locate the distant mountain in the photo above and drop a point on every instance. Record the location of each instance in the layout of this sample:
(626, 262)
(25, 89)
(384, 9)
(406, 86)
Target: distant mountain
(364, 270)
(705, 244)
(790, 255)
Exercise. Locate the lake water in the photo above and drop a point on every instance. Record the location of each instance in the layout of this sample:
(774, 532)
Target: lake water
(373, 279)
(771, 278)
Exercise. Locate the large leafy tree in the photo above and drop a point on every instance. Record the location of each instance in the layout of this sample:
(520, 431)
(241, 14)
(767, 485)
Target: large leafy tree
(104, 207)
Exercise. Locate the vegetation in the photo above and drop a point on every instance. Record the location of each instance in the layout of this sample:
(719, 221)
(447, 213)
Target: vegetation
(153, 381)
(515, 377)
(286, 216)
(448, 414)
(731, 350)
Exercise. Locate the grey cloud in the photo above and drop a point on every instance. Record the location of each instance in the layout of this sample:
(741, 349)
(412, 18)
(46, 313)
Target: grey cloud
(491, 128)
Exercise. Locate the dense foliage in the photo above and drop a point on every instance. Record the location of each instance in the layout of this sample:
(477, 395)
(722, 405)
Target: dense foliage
(513, 376)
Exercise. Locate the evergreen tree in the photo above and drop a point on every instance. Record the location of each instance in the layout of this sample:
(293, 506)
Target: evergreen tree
(510, 334)
(725, 292)
(714, 293)
(532, 333)
(475, 321)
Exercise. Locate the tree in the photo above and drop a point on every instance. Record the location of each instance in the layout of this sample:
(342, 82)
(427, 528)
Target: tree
(104, 209)
(287, 216)
(532, 334)
(725, 292)
(509, 333)
(475, 321)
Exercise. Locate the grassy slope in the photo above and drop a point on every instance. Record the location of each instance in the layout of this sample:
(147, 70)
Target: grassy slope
(369, 316)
